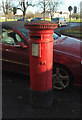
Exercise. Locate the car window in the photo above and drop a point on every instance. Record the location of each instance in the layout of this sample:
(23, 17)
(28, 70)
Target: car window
(8, 40)
(18, 38)
(0, 38)
(24, 31)
(10, 37)
(4, 30)
(55, 37)
(55, 19)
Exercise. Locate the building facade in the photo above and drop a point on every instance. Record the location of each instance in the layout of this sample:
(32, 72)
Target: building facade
(56, 14)
(63, 15)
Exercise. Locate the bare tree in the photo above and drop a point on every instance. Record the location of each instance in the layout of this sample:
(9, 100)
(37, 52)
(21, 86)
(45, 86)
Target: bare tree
(81, 11)
(44, 9)
(0, 7)
(6, 8)
(30, 14)
(23, 6)
(37, 14)
(42, 4)
(48, 5)
(52, 6)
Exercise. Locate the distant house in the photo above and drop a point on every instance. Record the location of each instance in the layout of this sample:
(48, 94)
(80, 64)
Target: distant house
(56, 14)
(2, 16)
(8, 16)
(63, 15)
(47, 14)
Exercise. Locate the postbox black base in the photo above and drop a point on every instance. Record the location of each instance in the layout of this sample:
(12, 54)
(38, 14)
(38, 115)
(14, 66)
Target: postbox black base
(41, 99)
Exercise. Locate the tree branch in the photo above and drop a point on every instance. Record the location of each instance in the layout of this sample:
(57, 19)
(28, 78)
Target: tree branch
(20, 9)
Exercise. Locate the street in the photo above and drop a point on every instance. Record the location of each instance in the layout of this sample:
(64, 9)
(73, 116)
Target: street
(68, 26)
(16, 100)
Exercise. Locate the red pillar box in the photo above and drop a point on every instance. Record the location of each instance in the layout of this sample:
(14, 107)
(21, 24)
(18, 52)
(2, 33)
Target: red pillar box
(41, 61)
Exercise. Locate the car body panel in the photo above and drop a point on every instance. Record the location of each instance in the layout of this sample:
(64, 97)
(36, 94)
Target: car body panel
(13, 57)
(68, 49)
(72, 64)
(37, 18)
(69, 45)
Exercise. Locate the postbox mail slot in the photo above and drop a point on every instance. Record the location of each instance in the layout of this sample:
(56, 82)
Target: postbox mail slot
(35, 49)
(35, 37)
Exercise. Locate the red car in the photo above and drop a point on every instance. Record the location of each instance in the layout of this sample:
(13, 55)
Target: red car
(66, 51)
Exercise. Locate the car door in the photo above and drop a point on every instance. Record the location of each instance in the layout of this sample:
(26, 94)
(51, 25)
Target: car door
(15, 57)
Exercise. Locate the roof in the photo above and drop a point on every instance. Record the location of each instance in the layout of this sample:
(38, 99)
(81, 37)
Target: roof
(11, 24)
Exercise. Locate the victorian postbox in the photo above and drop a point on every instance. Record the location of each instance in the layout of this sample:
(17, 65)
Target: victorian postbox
(41, 61)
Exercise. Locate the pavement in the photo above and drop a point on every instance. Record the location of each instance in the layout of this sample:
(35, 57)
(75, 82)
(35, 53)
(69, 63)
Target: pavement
(16, 100)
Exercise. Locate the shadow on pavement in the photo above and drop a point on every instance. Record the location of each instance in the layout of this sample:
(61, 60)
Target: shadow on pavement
(16, 101)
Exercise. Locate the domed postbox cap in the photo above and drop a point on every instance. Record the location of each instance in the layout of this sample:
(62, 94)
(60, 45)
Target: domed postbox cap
(41, 24)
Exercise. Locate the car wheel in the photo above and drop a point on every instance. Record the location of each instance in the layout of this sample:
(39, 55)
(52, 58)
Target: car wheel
(62, 78)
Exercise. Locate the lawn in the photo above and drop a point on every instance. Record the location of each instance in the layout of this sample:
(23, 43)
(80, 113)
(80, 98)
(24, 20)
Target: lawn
(74, 31)
(3, 20)
(72, 20)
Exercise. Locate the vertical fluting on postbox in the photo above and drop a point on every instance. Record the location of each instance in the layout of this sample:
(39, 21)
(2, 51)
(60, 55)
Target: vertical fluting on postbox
(41, 62)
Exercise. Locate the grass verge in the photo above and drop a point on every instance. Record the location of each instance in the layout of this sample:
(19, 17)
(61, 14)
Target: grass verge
(74, 32)
(72, 20)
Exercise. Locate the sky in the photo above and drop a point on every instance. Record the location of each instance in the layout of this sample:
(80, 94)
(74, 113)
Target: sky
(62, 7)
(68, 3)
